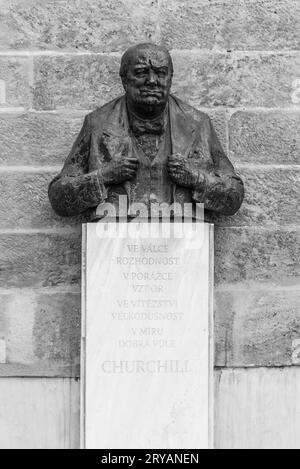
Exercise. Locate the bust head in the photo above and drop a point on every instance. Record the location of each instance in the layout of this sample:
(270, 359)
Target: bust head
(146, 72)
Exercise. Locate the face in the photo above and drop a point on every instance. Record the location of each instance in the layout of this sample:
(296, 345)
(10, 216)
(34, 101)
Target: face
(149, 79)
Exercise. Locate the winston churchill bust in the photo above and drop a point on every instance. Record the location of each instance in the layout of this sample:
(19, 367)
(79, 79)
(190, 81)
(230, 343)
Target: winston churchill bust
(147, 145)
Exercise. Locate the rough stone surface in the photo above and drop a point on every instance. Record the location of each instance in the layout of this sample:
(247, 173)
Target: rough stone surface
(258, 248)
(230, 24)
(24, 202)
(260, 79)
(203, 79)
(41, 330)
(37, 138)
(219, 119)
(114, 25)
(98, 25)
(242, 255)
(247, 255)
(16, 73)
(39, 259)
(56, 329)
(80, 82)
(265, 137)
(256, 328)
(264, 203)
(45, 139)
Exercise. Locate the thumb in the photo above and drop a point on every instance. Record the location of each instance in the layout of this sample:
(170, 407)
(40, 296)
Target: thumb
(125, 149)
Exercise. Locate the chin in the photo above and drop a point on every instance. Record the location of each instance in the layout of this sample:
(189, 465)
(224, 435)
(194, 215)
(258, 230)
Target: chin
(151, 101)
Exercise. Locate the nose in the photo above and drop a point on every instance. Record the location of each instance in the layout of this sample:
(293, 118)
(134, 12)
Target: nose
(152, 77)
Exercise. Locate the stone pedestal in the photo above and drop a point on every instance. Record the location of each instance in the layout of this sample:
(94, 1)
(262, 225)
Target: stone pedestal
(146, 336)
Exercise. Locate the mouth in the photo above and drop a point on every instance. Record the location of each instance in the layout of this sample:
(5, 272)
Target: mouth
(155, 93)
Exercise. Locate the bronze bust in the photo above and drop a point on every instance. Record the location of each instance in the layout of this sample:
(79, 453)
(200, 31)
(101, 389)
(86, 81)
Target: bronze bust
(147, 145)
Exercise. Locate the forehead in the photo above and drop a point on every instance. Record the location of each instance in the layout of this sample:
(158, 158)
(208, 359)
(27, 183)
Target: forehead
(157, 57)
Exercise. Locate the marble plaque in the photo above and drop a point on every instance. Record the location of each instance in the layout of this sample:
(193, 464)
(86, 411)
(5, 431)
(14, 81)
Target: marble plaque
(146, 336)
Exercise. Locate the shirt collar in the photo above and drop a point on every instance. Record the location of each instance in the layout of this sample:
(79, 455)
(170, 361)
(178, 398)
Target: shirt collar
(140, 126)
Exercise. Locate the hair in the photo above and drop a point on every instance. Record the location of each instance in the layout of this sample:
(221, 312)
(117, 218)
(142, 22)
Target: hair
(125, 61)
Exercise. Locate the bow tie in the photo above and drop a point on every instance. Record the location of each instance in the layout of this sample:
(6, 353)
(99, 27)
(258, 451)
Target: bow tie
(141, 127)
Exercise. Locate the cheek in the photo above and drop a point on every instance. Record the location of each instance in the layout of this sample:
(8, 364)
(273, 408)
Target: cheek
(132, 89)
(165, 83)
(168, 82)
(136, 82)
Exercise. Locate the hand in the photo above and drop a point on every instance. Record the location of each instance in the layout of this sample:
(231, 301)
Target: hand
(182, 171)
(120, 169)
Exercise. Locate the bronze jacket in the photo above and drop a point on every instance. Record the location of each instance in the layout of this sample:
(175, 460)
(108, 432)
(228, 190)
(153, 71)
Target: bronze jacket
(105, 133)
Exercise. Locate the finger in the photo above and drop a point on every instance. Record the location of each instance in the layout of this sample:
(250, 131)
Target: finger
(131, 166)
(173, 177)
(175, 157)
(130, 172)
(173, 161)
(131, 159)
(172, 168)
(125, 148)
(173, 173)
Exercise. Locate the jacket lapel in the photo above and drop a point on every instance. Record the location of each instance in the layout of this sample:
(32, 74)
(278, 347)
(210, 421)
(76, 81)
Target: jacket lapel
(115, 131)
(183, 129)
(116, 137)
(115, 134)
(183, 137)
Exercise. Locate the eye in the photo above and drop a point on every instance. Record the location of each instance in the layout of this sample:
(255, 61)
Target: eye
(162, 72)
(140, 71)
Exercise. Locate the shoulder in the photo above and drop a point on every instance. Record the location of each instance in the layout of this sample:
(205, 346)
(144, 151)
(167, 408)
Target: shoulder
(190, 111)
(101, 115)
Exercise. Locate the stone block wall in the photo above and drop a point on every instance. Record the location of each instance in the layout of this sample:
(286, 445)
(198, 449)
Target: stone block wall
(239, 61)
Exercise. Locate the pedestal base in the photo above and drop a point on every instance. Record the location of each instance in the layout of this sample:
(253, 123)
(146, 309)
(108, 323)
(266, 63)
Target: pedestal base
(146, 336)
